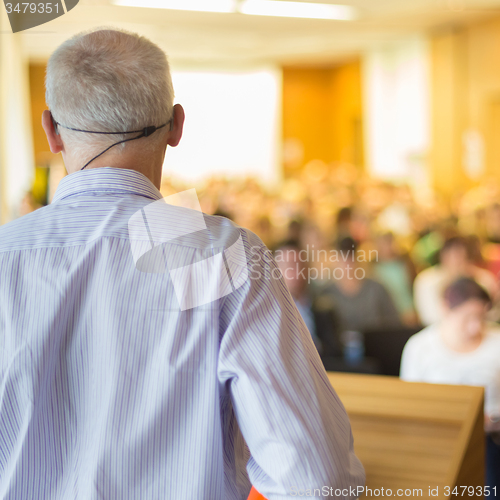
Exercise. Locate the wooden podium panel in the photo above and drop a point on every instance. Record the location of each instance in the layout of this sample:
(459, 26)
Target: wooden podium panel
(414, 435)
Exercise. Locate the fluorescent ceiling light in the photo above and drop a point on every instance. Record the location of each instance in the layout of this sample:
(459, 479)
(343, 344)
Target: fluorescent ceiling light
(297, 9)
(224, 6)
(279, 8)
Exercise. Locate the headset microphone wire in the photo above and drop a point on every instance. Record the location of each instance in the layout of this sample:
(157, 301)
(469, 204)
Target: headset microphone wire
(145, 132)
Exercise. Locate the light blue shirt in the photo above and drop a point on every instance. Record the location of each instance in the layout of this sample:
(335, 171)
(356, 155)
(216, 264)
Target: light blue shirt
(108, 390)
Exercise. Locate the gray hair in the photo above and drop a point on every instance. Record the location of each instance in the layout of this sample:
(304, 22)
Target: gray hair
(108, 80)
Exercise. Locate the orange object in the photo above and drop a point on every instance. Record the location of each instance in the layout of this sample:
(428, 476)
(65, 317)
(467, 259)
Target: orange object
(255, 495)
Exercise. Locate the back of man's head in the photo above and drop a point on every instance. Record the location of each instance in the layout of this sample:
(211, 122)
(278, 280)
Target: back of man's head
(108, 81)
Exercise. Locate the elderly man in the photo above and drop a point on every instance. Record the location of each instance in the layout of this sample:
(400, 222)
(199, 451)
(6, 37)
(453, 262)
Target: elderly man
(116, 382)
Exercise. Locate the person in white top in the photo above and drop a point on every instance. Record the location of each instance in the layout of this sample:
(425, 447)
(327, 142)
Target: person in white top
(454, 263)
(462, 349)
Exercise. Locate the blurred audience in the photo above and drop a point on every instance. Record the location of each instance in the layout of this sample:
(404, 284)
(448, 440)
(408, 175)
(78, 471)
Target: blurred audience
(454, 262)
(318, 312)
(462, 349)
(409, 232)
(363, 303)
(493, 223)
(396, 272)
(344, 224)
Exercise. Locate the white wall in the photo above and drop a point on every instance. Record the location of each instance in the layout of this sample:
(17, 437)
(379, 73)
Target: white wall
(232, 126)
(396, 87)
(16, 142)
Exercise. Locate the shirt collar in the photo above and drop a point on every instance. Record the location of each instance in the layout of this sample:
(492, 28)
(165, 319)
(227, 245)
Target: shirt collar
(106, 179)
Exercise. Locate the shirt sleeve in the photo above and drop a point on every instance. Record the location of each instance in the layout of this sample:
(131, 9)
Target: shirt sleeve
(293, 422)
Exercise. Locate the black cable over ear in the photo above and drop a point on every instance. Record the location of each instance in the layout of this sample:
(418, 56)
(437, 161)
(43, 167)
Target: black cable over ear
(145, 132)
(54, 123)
(150, 130)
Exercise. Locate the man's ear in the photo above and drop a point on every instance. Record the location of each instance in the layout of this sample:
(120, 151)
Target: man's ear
(55, 142)
(175, 134)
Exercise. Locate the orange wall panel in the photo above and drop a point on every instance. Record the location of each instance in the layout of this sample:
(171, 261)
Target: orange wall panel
(306, 108)
(322, 110)
(345, 117)
(38, 105)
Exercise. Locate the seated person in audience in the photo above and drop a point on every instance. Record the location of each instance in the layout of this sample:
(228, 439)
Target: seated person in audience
(462, 349)
(343, 226)
(318, 312)
(294, 232)
(493, 223)
(396, 273)
(454, 263)
(363, 304)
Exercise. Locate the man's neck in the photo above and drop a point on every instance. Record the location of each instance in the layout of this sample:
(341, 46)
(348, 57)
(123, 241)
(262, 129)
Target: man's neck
(151, 168)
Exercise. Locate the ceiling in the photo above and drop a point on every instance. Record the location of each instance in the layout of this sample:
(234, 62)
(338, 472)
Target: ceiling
(210, 40)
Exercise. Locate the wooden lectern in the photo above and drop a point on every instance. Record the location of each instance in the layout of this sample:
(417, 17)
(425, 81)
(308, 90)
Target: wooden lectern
(413, 435)
(427, 438)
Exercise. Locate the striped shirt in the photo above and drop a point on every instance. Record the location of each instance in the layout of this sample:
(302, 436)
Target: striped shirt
(109, 389)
